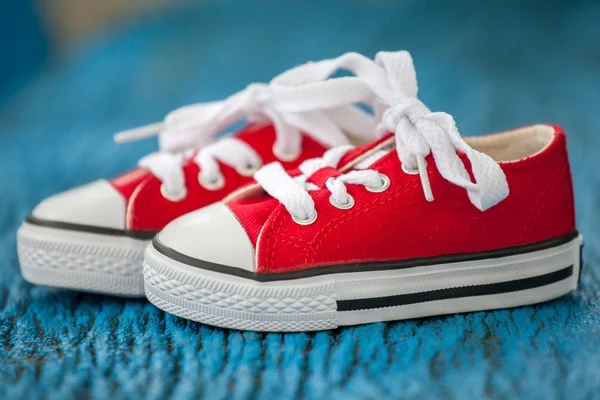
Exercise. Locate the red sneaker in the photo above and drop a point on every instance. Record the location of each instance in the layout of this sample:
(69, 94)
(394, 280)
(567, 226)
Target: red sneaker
(420, 223)
(92, 238)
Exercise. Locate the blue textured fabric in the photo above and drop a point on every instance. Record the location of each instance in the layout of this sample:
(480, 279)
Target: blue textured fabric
(23, 47)
(493, 65)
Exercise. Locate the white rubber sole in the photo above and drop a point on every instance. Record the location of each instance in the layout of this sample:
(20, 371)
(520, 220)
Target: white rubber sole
(81, 261)
(328, 301)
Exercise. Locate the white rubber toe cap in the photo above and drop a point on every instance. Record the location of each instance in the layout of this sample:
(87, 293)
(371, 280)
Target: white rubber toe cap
(210, 234)
(95, 204)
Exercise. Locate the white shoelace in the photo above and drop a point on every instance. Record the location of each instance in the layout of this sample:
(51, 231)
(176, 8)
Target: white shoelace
(293, 192)
(418, 132)
(295, 101)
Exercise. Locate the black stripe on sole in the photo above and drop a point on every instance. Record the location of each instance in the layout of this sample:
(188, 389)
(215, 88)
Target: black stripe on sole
(457, 292)
(68, 226)
(580, 263)
(359, 267)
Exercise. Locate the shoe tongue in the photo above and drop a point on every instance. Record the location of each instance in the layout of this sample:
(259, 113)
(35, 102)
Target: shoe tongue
(369, 153)
(374, 157)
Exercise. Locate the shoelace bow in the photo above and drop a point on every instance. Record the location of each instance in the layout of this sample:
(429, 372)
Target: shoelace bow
(293, 102)
(418, 132)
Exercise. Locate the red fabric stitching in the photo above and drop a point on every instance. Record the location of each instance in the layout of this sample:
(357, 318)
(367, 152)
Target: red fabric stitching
(273, 232)
(290, 242)
(297, 239)
(354, 213)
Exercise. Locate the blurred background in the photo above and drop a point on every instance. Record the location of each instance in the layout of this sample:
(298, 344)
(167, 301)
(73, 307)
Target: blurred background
(73, 72)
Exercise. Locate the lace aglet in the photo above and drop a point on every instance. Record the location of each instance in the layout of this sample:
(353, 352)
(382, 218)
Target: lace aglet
(429, 196)
(424, 177)
(142, 132)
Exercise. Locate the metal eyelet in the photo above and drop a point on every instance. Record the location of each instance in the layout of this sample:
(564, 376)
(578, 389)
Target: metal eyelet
(343, 206)
(284, 157)
(385, 183)
(248, 170)
(410, 171)
(211, 185)
(174, 197)
(307, 221)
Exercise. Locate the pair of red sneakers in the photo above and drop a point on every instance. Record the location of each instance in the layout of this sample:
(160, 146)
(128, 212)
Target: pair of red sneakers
(418, 222)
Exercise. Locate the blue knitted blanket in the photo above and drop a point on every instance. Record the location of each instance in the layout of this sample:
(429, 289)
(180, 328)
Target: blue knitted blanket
(492, 65)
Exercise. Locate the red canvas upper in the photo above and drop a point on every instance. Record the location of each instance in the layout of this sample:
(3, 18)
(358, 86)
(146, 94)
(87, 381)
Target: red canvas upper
(147, 209)
(400, 223)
